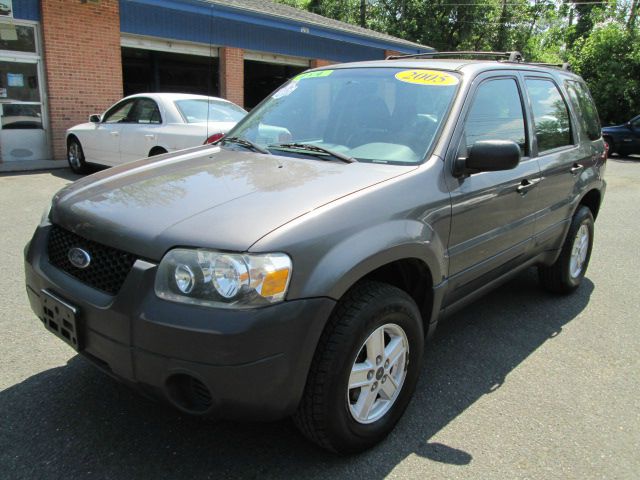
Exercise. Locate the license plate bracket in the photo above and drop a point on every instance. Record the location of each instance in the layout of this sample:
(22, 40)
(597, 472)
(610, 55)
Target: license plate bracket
(60, 318)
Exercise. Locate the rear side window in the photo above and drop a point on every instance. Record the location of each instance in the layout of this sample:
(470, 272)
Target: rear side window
(147, 111)
(584, 106)
(496, 114)
(550, 115)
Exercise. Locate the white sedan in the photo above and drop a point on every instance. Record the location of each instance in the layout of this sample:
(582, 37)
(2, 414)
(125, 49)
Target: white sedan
(149, 124)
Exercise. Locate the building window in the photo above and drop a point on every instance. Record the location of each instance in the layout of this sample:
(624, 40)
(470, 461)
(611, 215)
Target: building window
(17, 38)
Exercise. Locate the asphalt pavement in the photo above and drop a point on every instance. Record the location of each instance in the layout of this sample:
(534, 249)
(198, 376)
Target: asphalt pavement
(521, 384)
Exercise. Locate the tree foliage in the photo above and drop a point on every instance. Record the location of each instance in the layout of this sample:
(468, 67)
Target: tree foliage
(601, 38)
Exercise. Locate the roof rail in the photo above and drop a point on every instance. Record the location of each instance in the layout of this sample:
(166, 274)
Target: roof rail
(510, 56)
(564, 66)
(514, 56)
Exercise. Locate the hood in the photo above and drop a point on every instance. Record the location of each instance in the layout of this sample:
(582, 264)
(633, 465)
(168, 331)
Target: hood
(205, 197)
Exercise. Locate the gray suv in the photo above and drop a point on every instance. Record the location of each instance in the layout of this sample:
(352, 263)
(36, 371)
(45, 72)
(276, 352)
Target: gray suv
(296, 267)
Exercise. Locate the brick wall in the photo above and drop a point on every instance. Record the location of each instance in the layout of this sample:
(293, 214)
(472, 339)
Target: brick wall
(317, 63)
(232, 74)
(82, 60)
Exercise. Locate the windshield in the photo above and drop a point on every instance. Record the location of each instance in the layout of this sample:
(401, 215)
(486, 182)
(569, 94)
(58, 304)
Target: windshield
(382, 115)
(195, 111)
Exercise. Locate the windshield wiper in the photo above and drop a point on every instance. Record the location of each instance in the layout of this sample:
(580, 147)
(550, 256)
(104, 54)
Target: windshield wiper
(243, 142)
(315, 149)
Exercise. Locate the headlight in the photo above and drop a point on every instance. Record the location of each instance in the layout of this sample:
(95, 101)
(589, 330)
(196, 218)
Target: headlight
(223, 280)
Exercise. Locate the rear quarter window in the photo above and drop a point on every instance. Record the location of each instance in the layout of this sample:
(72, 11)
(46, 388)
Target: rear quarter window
(584, 107)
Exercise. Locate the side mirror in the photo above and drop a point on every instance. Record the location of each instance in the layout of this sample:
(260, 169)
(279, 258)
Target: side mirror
(94, 118)
(489, 156)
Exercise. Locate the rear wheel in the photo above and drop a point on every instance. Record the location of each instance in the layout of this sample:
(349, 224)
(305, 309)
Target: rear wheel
(364, 370)
(567, 272)
(75, 157)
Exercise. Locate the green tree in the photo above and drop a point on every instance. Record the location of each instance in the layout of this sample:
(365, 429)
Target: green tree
(599, 37)
(609, 60)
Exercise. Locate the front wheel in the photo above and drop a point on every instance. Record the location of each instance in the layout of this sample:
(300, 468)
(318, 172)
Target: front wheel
(611, 148)
(75, 157)
(364, 370)
(566, 274)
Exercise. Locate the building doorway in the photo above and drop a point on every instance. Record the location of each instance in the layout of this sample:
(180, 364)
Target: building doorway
(23, 121)
(262, 78)
(145, 71)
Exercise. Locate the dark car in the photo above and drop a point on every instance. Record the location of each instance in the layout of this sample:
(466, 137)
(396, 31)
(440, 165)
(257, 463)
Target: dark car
(623, 139)
(296, 267)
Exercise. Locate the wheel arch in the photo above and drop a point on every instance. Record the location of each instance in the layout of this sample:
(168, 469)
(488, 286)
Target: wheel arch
(157, 150)
(413, 276)
(592, 200)
(72, 136)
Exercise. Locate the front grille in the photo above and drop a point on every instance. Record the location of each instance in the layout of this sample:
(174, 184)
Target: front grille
(108, 267)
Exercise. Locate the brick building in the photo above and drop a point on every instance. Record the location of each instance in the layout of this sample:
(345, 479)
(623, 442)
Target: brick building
(62, 60)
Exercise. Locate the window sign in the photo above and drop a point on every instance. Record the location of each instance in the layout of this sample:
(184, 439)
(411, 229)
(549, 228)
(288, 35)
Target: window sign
(3, 93)
(15, 80)
(6, 8)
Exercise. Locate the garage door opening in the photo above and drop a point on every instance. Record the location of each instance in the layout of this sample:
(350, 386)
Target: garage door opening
(146, 71)
(261, 78)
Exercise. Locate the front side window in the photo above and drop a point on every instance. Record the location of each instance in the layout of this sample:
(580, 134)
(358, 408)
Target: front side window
(496, 114)
(550, 115)
(583, 104)
(382, 115)
(202, 110)
(636, 123)
(119, 113)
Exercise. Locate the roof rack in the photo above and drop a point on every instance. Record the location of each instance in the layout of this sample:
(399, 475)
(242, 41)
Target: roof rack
(514, 57)
(510, 56)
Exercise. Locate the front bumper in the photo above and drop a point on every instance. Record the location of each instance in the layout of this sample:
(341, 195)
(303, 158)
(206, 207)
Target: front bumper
(253, 363)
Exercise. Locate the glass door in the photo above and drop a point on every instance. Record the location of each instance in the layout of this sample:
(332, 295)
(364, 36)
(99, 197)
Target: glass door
(22, 123)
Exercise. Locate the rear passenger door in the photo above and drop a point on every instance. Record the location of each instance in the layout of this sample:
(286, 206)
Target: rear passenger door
(561, 157)
(493, 213)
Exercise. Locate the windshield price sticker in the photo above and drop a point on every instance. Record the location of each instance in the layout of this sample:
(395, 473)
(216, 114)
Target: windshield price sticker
(426, 77)
(321, 73)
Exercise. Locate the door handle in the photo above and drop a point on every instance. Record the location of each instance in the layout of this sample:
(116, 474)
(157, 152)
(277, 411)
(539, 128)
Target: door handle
(115, 134)
(527, 185)
(576, 168)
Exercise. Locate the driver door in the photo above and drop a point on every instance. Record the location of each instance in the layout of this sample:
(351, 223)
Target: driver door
(493, 213)
(104, 145)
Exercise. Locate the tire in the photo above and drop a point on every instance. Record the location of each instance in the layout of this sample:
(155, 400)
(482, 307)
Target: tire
(566, 274)
(611, 148)
(75, 157)
(327, 412)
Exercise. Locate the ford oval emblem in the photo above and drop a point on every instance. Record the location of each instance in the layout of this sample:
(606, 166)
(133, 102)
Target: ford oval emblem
(78, 257)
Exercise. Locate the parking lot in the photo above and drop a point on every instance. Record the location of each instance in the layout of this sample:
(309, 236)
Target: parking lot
(522, 384)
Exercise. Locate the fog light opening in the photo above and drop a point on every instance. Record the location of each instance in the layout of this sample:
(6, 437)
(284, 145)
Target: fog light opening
(188, 393)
